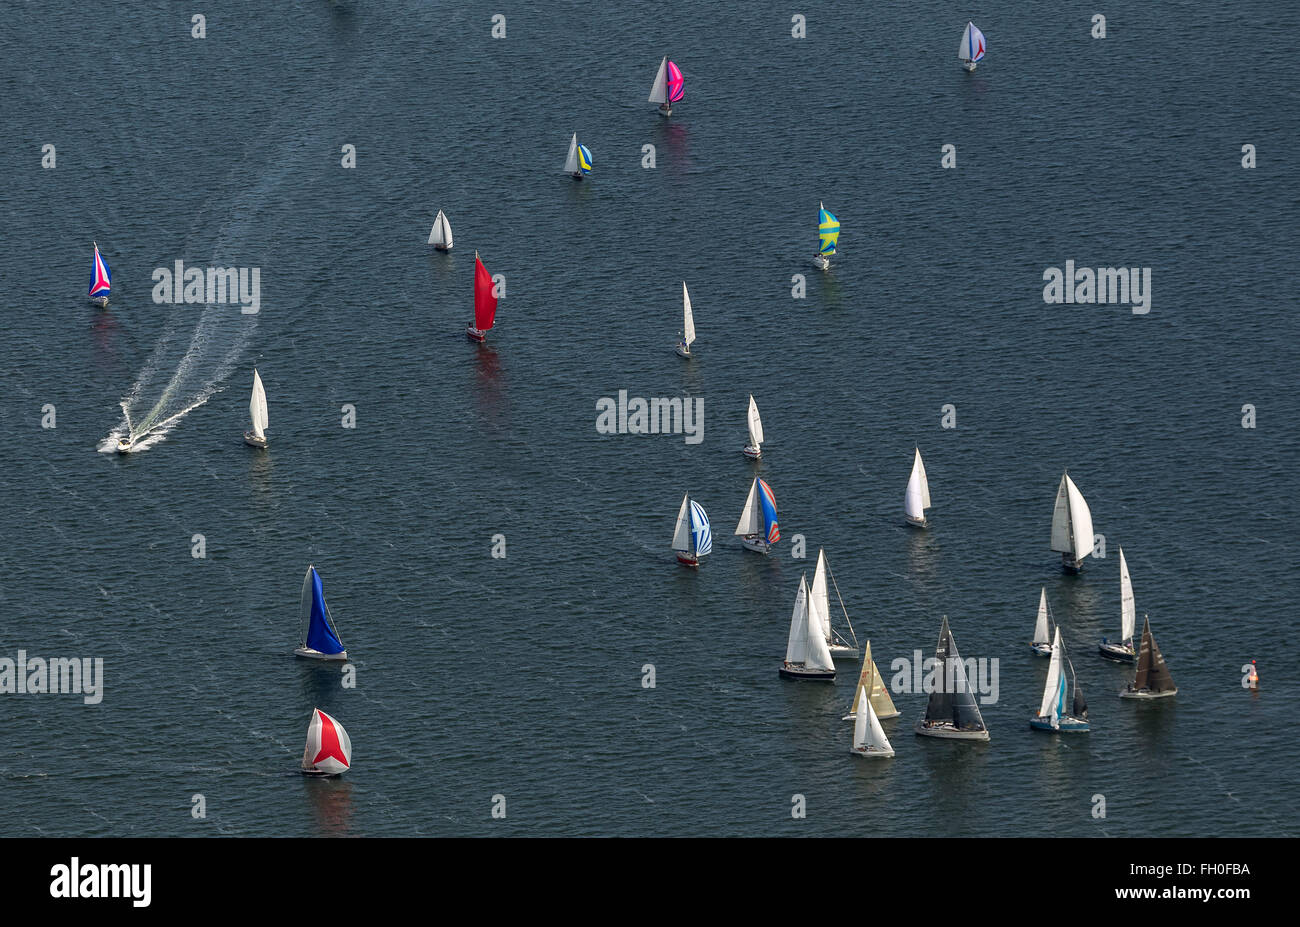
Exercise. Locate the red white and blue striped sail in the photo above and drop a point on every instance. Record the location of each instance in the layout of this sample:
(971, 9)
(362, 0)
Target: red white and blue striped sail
(972, 44)
(100, 280)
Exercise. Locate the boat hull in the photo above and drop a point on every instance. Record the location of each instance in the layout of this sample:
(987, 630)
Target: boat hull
(311, 654)
(1041, 650)
(576, 175)
(969, 66)
(753, 453)
(1117, 652)
(915, 522)
(474, 334)
(1070, 565)
(687, 559)
(100, 301)
(871, 752)
(443, 248)
(253, 440)
(811, 675)
(682, 350)
(665, 109)
(822, 262)
(949, 732)
(319, 774)
(841, 652)
(1145, 693)
(755, 543)
(1065, 725)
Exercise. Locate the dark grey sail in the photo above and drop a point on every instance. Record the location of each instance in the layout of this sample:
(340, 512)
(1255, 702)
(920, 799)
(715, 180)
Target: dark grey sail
(952, 701)
(1158, 678)
(1079, 708)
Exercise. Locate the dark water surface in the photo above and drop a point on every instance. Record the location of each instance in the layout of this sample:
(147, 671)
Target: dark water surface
(522, 676)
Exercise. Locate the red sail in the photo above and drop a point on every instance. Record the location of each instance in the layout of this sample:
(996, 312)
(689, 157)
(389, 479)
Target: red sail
(485, 301)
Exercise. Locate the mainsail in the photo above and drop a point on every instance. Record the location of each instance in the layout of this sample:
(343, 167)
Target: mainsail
(755, 424)
(1127, 610)
(1053, 705)
(320, 634)
(917, 499)
(1040, 626)
(257, 407)
(1071, 521)
(485, 300)
(1152, 673)
(688, 319)
(869, 681)
(440, 234)
(796, 648)
(682, 533)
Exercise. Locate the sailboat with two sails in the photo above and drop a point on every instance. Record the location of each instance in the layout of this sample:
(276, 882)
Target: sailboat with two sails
(917, 498)
(870, 682)
(669, 86)
(692, 538)
(758, 527)
(869, 738)
(578, 164)
(1055, 714)
(806, 653)
(952, 711)
(841, 647)
(1152, 679)
(1071, 526)
(440, 234)
(485, 303)
(1042, 642)
(754, 450)
(320, 639)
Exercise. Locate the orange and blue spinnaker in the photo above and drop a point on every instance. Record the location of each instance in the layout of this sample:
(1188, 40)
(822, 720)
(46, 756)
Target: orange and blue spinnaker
(768, 502)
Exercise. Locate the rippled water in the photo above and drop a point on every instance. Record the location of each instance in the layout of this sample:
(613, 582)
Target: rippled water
(478, 676)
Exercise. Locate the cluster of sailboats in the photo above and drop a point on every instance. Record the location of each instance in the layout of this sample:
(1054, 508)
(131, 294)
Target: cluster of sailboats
(485, 296)
(328, 751)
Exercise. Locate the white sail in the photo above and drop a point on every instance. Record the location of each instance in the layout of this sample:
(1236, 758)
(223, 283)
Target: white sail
(1127, 610)
(796, 646)
(972, 43)
(1051, 691)
(755, 424)
(867, 732)
(818, 601)
(861, 723)
(917, 499)
(751, 521)
(257, 407)
(688, 323)
(659, 91)
(328, 748)
(1040, 626)
(440, 234)
(817, 655)
(682, 535)
(1071, 521)
(571, 165)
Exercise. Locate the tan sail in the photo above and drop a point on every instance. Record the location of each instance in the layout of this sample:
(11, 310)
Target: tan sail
(869, 680)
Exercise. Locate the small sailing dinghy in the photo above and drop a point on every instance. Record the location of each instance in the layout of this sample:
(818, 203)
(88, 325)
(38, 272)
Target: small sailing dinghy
(1071, 526)
(754, 449)
(440, 234)
(485, 303)
(1152, 679)
(971, 48)
(320, 641)
(806, 654)
(692, 538)
(669, 86)
(257, 414)
(100, 280)
(869, 680)
(819, 603)
(917, 498)
(952, 711)
(758, 528)
(868, 736)
(1123, 652)
(1042, 642)
(828, 235)
(329, 749)
(688, 325)
(578, 164)
(1054, 714)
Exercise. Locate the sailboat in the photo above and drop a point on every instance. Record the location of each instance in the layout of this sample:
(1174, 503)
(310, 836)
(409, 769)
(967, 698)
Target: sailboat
(320, 641)
(951, 711)
(1123, 651)
(669, 86)
(971, 48)
(870, 681)
(440, 234)
(758, 528)
(828, 234)
(1055, 714)
(485, 302)
(329, 749)
(753, 450)
(1152, 679)
(868, 736)
(100, 280)
(806, 654)
(578, 163)
(257, 414)
(688, 325)
(1042, 642)
(1071, 526)
(692, 538)
(917, 498)
(819, 604)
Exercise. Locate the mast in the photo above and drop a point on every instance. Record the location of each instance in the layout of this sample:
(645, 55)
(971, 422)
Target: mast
(852, 633)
